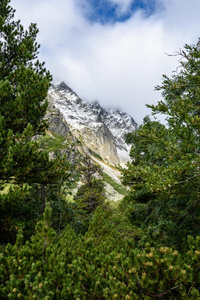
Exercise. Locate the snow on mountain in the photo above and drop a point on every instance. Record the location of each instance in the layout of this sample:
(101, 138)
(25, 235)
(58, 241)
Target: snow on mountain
(101, 130)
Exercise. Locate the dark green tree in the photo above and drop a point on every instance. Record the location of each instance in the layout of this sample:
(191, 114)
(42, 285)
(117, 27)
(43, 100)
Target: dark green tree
(164, 173)
(24, 83)
(91, 193)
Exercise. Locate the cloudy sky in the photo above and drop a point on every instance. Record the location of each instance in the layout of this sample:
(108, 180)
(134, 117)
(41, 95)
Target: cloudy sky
(112, 51)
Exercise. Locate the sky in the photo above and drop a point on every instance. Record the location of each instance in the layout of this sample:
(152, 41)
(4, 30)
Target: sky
(113, 51)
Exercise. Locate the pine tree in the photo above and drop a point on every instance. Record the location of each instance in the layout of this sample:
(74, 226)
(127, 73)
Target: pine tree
(91, 193)
(164, 173)
(24, 83)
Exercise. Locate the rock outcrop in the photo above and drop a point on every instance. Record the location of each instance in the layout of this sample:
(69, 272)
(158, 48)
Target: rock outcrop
(57, 122)
(100, 130)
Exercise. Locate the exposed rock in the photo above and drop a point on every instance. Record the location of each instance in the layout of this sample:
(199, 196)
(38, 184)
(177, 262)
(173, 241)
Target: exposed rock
(100, 130)
(57, 122)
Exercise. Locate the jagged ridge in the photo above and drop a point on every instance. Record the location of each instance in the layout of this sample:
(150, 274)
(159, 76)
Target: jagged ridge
(101, 130)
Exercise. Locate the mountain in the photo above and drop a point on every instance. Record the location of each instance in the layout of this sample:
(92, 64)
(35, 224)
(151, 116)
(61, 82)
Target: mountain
(100, 130)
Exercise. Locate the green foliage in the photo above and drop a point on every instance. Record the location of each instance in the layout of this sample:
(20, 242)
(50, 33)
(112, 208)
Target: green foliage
(24, 83)
(105, 264)
(95, 154)
(55, 194)
(52, 142)
(164, 176)
(113, 258)
(18, 210)
(87, 199)
(117, 187)
(90, 194)
(88, 170)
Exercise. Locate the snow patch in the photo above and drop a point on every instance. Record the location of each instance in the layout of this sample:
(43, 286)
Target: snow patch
(81, 115)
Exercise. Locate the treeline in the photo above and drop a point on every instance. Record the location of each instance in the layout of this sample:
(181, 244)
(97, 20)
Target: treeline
(52, 248)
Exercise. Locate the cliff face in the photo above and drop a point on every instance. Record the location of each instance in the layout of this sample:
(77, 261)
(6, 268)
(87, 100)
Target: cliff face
(57, 122)
(100, 130)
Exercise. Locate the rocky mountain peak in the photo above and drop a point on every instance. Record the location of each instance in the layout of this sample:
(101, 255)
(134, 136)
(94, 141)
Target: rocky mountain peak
(63, 87)
(101, 130)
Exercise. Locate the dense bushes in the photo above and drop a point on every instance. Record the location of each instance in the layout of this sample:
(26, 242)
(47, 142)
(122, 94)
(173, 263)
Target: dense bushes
(104, 264)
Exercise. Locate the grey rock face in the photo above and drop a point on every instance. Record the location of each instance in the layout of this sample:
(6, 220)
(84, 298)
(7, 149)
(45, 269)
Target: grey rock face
(100, 130)
(58, 125)
(57, 122)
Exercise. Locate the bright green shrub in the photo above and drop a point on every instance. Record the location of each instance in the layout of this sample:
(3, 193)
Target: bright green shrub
(97, 266)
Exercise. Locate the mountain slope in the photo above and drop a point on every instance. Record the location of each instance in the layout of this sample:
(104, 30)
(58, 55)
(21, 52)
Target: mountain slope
(81, 128)
(100, 130)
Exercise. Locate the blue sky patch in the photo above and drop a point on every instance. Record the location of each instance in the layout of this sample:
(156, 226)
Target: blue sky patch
(104, 11)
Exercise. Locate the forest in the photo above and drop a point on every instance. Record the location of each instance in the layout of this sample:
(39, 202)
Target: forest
(148, 247)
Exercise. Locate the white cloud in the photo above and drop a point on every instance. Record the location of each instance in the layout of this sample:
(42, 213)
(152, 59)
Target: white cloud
(118, 64)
